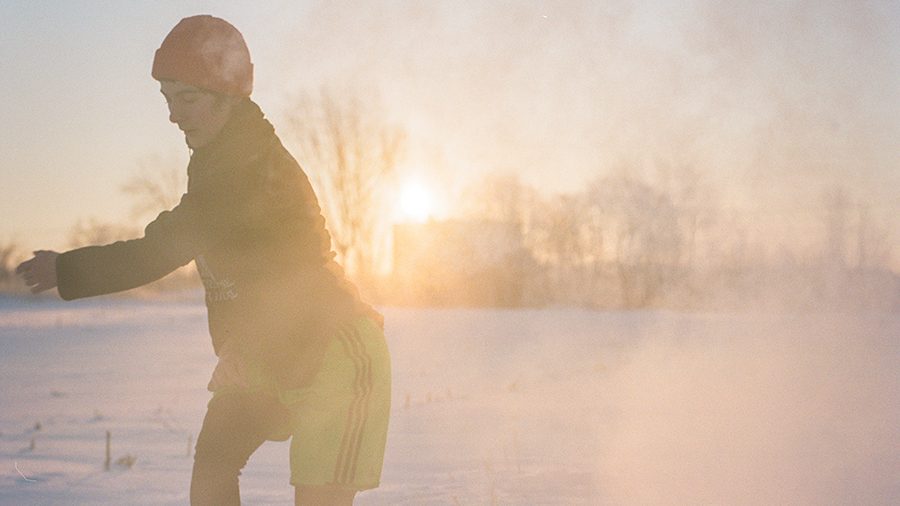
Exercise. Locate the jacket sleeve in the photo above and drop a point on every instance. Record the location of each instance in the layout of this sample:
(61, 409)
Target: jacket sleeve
(169, 242)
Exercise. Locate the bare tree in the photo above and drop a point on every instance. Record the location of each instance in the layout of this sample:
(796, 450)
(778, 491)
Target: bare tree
(501, 197)
(873, 250)
(504, 198)
(566, 247)
(157, 186)
(541, 268)
(8, 253)
(696, 206)
(350, 152)
(646, 243)
(92, 232)
(837, 210)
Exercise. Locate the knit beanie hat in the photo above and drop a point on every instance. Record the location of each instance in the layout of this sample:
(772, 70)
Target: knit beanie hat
(206, 52)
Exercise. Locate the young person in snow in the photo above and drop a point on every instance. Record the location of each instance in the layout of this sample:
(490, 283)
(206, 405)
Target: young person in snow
(299, 354)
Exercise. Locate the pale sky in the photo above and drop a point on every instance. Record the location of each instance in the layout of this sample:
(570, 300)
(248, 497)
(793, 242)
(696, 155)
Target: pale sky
(774, 101)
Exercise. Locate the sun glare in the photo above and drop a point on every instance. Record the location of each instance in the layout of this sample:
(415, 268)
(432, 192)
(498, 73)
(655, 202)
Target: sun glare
(416, 203)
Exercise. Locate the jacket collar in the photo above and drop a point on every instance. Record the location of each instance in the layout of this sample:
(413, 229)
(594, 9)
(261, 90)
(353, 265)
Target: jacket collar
(241, 140)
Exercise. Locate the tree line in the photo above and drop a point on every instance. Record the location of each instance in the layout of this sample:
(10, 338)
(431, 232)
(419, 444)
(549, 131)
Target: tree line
(667, 240)
(636, 237)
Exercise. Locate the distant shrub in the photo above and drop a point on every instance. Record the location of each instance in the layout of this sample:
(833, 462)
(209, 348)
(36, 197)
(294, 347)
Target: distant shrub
(9, 256)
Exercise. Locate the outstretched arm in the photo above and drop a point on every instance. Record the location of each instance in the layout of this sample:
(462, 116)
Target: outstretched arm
(169, 242)
(39, 272)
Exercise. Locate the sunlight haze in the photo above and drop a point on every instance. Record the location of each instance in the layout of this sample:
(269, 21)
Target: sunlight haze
(773, 103)
(530, 252)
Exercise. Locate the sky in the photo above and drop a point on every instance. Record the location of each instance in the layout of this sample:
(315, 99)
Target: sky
(773, 102)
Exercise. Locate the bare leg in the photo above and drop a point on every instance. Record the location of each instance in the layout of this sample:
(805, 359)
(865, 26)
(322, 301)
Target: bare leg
(234, 427)
(323, 496)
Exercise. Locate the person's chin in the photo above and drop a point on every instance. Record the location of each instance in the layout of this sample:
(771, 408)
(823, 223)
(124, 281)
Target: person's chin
(192, 142)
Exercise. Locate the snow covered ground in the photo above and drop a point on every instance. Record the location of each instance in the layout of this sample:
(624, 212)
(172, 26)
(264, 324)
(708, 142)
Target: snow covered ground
(522, 407)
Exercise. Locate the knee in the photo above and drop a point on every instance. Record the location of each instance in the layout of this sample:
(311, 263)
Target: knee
(219, 457)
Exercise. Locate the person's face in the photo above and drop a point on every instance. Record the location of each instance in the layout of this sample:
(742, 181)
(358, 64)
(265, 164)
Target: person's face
(198, 113)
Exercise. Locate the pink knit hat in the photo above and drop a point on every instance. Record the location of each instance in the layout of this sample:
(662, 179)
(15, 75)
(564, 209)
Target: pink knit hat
(206, 52)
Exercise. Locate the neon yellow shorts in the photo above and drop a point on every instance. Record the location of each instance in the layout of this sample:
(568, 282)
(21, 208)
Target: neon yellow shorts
(340, 419)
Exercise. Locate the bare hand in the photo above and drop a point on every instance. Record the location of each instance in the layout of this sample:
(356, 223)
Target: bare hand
(39, 273)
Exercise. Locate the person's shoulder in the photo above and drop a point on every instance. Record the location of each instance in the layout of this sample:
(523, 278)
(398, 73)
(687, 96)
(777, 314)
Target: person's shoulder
(282, 177)
(284, 166)
(282, 158)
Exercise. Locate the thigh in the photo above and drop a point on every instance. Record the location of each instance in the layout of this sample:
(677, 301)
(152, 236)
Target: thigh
(235, 425)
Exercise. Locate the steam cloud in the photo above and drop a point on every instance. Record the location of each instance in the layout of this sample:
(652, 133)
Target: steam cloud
(794, 411)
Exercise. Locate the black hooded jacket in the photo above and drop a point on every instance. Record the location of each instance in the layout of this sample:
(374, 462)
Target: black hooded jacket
(253, 226)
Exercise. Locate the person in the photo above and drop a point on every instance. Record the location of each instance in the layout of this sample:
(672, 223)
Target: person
(300, 355)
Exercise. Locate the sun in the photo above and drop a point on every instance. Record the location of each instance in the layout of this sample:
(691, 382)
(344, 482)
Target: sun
(416, 202)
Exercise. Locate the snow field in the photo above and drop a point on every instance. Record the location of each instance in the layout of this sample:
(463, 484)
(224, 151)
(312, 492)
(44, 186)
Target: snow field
(490, 407)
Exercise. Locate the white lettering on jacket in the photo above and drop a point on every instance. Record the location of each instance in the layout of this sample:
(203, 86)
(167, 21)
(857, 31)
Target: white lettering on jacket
(217, 290)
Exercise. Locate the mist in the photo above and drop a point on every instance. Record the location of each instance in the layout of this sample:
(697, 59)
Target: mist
(770, 99)
(783, 411)
(773, 103)
(651, 408)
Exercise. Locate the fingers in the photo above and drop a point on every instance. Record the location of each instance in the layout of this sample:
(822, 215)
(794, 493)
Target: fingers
(35, 284)
(38, 288)
(24, 266)
(27, 274)
(28, 277)
(33, 272)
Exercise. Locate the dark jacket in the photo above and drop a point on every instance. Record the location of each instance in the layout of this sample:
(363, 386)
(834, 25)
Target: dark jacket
(253, 226)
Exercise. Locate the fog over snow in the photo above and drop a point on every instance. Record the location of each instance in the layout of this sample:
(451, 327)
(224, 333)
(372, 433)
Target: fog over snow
(490, 407)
